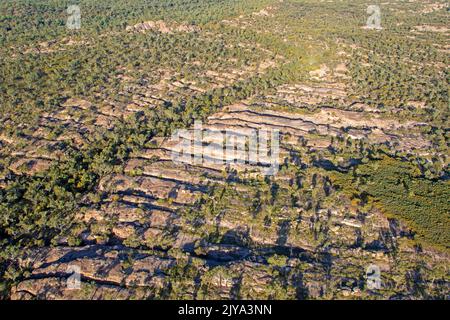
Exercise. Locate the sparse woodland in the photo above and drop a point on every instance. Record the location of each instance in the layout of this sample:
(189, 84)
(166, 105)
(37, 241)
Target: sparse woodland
(84, 165)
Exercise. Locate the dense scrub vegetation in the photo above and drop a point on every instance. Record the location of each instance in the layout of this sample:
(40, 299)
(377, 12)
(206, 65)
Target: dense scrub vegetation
(401, 191)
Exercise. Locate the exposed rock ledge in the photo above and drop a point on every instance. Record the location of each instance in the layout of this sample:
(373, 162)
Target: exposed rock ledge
(162, 27)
